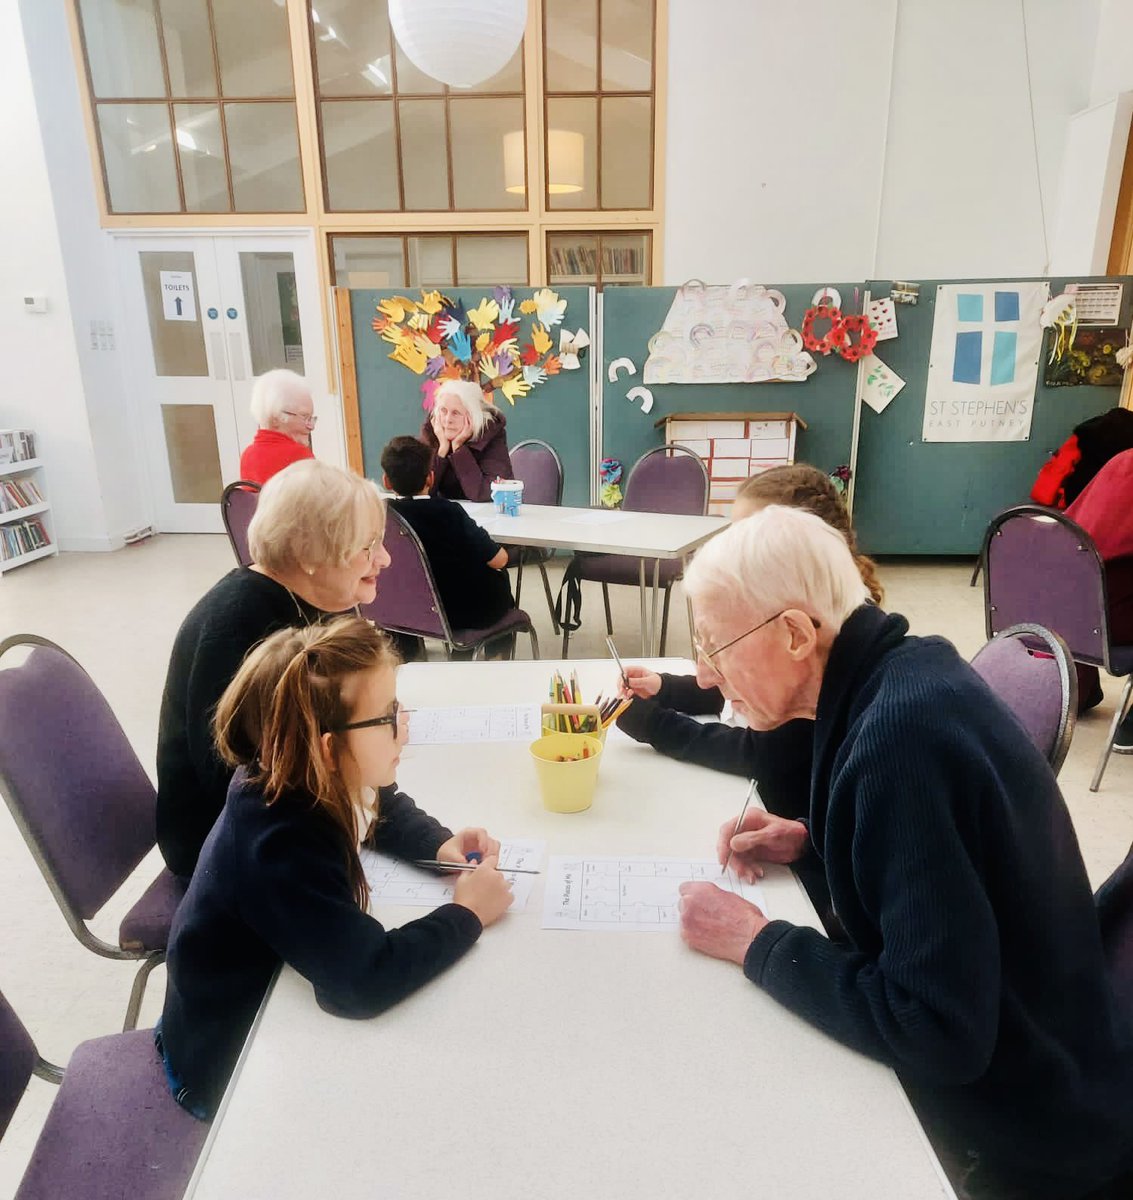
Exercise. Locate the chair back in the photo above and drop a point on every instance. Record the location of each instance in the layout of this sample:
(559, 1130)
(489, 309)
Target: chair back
(668, 479)
(74, 785)
(407, 599)
(1043, 569)
(1031, 671)
(537, 464)
(237, 507)
(17, 1061)
(1114, 902)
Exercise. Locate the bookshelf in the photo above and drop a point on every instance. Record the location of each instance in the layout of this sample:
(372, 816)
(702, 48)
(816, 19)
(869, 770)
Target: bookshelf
(599, 259)
(26, 529)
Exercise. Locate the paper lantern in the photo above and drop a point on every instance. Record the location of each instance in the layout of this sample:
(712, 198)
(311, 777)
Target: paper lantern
(566, 160)
(459, 42)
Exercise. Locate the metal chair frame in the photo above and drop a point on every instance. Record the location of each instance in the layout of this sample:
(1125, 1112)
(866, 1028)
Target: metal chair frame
(240, 485)
(539, 556)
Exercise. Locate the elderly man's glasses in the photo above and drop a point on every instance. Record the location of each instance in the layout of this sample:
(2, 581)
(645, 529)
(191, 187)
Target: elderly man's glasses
(707, 656)
(310, 422)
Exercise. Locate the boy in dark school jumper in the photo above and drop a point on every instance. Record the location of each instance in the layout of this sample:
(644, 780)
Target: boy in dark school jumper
(469, 569)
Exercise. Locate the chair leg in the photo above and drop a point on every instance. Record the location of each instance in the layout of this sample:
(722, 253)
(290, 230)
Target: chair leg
(518, 578)
(534, 642)
(606, 603)
(976, 571)
(665, 620)
(1096, 782)
(139, 989)
(566, 642)
(550, 598)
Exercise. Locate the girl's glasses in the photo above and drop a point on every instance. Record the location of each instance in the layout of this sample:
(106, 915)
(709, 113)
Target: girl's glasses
(396, 714)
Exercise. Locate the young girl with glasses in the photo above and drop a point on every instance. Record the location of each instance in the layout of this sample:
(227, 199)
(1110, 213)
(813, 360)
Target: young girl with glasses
(311, 724)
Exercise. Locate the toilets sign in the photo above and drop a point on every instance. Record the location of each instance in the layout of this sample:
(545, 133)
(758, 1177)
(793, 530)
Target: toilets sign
(178, 300)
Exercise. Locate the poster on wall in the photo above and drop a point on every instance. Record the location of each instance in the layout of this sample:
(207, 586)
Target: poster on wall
(983, 363)
(1090, 359)
(178, 298)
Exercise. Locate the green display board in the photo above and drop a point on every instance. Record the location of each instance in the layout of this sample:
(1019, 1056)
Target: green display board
(916, 497)
(389, 394)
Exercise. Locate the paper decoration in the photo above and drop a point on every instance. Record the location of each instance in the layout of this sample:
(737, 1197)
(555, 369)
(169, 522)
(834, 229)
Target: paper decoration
(1061, 315)
(1097, 303)
(850, 350)
(901, 292)
(571, 346)
(644, 395)
(828, 296)
(829, 334)
(883, 314)
(983, 362)
(880, 384)
(1095, 359)
(610, 474)
(726, 334)
(178, 297)
(620, 364)
(435, 337)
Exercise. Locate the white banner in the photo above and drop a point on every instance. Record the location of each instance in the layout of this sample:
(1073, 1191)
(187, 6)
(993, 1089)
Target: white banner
(983, 363)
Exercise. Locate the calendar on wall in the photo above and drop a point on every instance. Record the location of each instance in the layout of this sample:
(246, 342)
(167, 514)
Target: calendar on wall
(734, 446)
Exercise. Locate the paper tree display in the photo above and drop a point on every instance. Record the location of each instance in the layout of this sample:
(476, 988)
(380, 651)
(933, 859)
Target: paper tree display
(735, 333)
(438, 339)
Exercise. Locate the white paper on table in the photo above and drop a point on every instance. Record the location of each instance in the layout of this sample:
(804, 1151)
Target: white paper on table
(393, 881)
(627, 894)
(596, 516)
(474, 723)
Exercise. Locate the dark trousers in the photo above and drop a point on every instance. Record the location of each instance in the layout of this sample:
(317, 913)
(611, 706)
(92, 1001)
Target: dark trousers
(1119, 591)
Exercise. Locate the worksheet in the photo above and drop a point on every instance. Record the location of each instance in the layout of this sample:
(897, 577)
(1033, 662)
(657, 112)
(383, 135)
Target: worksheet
(628, 894)
(393, 881)
(474, 723)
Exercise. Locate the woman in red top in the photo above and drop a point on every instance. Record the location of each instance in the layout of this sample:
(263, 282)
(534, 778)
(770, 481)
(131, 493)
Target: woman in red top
(468, 437)
(285, 413)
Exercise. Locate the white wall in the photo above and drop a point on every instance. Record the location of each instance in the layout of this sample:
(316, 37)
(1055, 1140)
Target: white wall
(885, 140)
(1113, 61)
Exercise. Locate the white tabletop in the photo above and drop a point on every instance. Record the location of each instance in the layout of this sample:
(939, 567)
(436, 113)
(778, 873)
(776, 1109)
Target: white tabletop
(558, 1064)
(601, 530)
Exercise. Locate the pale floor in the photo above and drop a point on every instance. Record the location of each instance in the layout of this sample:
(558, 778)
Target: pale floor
(118, 613)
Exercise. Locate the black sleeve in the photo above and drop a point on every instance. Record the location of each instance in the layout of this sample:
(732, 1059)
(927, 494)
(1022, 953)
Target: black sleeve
(684, 694)
(403, 830)
(479, 540)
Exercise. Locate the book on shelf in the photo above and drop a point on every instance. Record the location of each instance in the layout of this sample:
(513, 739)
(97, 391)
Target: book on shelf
(16, 445)
(18, 493)
(583, 260)
(22, 537)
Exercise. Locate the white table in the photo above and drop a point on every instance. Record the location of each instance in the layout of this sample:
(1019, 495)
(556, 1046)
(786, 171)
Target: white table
(642, 535)
(561, 1065)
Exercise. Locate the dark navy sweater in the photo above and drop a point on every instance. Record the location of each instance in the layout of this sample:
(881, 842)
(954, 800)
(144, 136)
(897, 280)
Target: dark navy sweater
(974, 964)
(271, 887)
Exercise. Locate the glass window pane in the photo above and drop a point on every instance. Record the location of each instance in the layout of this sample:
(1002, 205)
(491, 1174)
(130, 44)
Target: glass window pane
(359, 150)
(572, 152)
(122, 48)
(138, 155)
(254, 48)
(263, 150)
(483, 259)
(188, 48)
(477, 132)
(411, 81)
(200, 148)
(368, 262)
(352, 47)
(571, 34)
(430, 262)
(625, 259)
(271, 305)
(627, 45)
(572, 258)
(194, 458)
(178, 345)
(627, 152)
(507, 79)
(424, 161)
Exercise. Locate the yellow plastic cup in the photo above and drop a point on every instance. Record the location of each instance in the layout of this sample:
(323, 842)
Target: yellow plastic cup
(568, 786)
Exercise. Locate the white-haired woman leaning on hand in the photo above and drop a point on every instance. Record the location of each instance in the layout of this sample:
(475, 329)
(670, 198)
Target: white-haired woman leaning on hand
(285, 413)
(972, 962)
(468, 437)
(316, 544)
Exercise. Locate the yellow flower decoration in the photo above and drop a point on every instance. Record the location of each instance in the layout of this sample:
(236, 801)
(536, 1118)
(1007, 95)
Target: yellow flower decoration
(484, 315)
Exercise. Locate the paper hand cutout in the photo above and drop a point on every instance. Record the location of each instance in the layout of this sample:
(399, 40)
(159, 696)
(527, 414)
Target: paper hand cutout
(540, 339)
(396, 307)
(409, 356)
(548, 307)
(515, 388)
(449, 325)
(534, 375)
(484, 315)
(431, 302)
(461, 346)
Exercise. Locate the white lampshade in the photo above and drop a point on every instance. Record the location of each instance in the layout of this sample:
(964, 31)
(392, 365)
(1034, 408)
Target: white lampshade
(566, 160)
(459, 42)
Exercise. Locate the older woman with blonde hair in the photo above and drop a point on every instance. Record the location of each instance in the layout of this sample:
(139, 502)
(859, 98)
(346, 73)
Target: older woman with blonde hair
(316, 546)
(468, 437)
(972, 962)
(283, 409)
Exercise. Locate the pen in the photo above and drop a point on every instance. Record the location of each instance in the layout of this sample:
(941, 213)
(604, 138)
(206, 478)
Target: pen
(436, 864)
(739, 822)
(474, 856)
(614, 654)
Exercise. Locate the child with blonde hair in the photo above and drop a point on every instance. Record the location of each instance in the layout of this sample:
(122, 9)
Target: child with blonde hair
(311, 724)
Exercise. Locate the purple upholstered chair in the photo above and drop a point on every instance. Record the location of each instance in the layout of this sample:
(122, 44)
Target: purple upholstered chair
(667, 479)
(237, 507)
(114, 1129)
(408, 602)
(81, 800)
(537, 464)
(1030, 669)
(1042, 568)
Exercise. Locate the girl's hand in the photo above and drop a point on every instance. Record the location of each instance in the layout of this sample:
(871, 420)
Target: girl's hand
(466, 842)
(484, 891)
(643, 683)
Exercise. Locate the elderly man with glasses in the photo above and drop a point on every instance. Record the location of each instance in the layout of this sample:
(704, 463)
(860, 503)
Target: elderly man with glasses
(972, 962)
(284, 410)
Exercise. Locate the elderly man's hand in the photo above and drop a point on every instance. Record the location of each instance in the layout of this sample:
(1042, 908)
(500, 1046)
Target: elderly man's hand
(761, 838)
(718, 923)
